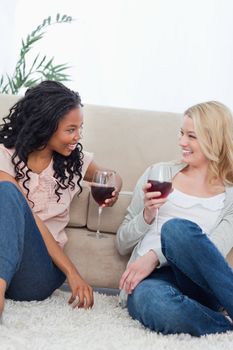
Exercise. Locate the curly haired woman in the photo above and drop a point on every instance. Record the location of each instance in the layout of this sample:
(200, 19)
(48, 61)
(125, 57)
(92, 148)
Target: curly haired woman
(42, 166)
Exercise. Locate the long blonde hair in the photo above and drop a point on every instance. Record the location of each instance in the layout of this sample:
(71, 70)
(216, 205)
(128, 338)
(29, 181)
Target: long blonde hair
(213, 125)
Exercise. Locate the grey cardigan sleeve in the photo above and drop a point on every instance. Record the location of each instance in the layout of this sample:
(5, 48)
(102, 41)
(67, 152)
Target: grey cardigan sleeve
(133, 227)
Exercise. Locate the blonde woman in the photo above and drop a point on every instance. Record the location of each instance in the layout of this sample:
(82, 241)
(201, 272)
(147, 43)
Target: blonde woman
(177, 279)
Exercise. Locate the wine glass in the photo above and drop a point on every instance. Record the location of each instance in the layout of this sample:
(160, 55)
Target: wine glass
(102, 186)
(160, 178)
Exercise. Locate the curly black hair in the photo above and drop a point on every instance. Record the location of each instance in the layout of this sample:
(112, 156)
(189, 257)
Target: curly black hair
(31, 123)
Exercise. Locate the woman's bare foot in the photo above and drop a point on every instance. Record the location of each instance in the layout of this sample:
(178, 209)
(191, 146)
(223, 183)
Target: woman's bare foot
(2, 296)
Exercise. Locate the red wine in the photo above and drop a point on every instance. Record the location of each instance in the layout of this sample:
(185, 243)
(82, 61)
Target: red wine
(163, 187)
(100, 193)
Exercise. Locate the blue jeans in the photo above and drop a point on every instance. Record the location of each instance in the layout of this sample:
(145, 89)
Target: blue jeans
(185, 296)
(24, 260)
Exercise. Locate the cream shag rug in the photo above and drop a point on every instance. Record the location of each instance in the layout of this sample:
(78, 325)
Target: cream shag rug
(53, 324)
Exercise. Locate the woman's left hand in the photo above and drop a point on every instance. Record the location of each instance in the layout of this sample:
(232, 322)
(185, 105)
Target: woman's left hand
(111, 201)
(82, 293)
(137, 271)
(93, 167)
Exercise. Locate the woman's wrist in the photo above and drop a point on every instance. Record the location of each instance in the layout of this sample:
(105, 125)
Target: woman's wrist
(154, 258)
(149, 219)
(71, 271)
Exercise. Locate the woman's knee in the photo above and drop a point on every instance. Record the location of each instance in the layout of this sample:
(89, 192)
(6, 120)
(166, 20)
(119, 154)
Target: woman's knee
(9, 190)
(179, 232)
(10, 194)
(39, 288)
(178, 237)
(8, 186)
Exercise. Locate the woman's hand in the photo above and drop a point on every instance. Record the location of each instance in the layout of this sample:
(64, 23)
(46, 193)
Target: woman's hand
(93, 167)
(111, 201)
(82, 293)
(151, 203)
(138, 270)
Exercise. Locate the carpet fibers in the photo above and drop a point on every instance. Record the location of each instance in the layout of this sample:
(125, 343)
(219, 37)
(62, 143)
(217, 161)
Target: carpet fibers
(53, 324)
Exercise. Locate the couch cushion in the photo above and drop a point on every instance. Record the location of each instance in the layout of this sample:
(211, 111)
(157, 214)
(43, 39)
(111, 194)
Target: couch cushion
(7, 101)
(112, 217)
(97, 260)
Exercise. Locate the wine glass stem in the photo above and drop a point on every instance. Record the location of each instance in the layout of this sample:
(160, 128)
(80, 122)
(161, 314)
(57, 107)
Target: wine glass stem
(98, 233)
(156, 220)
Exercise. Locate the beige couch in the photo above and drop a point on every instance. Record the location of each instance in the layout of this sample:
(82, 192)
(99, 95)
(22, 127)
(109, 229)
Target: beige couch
(128, 141)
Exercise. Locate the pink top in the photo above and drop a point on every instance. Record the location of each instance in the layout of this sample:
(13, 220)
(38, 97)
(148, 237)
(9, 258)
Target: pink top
(55, 215)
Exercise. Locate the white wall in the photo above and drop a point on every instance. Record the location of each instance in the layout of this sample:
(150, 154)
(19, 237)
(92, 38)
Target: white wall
(8, 37)
(149, 54)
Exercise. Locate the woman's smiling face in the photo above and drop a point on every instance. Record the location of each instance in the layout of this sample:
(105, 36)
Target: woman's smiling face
(190, 147)
(68, 133)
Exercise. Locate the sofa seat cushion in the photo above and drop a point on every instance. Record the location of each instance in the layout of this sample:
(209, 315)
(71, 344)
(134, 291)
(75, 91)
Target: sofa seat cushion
(97, 260)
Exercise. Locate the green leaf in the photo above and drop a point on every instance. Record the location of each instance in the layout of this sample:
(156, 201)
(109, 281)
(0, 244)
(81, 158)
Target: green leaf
(49, 63)
(5, 89)
(41, 62)
(31, 82)
(1, 80)
(35, 60)
(34, 39)
(69, 19)
(11, 84)
(47, 21)
(61, 67)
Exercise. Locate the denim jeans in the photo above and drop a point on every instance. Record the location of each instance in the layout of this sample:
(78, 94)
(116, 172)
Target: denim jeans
(186, 296)
(24, 260)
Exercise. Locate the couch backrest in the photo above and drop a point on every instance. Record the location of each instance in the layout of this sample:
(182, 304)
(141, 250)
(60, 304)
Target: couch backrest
(129, 140)
(6, 101)
(126, 140)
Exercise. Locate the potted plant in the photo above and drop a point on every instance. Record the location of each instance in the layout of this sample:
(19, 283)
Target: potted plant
(41, 68)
